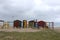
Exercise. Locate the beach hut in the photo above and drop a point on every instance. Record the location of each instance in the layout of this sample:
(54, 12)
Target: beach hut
(17, 23)
(6, 25)
(24, 23)
(41, 24)
(32, 23)
(1, 23)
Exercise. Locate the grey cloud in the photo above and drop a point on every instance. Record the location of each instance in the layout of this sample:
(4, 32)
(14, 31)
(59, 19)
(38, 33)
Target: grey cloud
(22, 10)
(52, 2)
(10, 10)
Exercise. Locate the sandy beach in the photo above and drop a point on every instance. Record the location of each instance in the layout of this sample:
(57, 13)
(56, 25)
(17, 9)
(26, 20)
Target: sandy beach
(11, 29)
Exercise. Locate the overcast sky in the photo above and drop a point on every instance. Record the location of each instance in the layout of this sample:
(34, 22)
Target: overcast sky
(48, 10)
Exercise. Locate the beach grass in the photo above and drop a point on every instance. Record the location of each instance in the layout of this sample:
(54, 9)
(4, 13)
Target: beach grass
(41, 35)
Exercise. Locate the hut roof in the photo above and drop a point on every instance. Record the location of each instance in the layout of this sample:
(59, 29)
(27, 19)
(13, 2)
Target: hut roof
(1, 21)
(41, 21)
(32, 21)
(17, 20)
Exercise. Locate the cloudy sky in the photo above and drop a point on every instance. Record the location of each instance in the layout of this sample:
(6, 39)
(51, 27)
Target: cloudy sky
(48, 10)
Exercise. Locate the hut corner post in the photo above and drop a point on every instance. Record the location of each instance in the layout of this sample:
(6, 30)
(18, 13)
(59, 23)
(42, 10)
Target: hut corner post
(53, 25)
